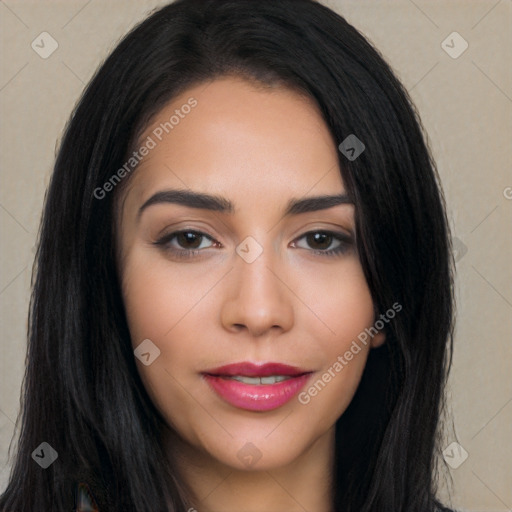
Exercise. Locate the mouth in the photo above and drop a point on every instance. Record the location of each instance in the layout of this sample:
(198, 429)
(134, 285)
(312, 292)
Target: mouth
(255, 387)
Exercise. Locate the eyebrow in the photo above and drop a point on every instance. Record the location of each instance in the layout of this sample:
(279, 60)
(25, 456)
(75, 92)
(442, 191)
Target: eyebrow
(216, 203)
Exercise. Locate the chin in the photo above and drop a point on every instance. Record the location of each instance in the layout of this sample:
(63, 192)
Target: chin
(259, 452)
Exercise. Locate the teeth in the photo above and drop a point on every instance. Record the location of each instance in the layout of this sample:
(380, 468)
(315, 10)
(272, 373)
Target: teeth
(256, 381)
(273, 379)
(247, 380)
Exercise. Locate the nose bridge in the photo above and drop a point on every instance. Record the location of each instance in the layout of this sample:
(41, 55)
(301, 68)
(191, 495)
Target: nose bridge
(256, 270)
(259, 300)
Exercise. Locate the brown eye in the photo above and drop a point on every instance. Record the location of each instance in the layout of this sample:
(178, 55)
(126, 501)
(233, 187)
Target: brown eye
(184, 238)
(183, 244)
(320, 241)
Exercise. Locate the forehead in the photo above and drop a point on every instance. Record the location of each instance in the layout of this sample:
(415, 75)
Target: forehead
(231, 137)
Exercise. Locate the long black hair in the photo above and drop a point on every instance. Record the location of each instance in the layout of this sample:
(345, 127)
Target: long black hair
(82, 393)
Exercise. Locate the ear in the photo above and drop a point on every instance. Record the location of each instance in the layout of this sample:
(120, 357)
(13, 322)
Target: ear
(378, 339)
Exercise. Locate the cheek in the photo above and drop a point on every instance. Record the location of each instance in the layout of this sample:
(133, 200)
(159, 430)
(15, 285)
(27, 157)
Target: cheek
(156, 299)
(340, 303)
(343, 304)
(162, 306)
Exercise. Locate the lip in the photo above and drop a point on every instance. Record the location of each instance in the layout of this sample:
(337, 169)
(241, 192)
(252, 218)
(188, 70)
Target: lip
(257, 370)
(253, 397)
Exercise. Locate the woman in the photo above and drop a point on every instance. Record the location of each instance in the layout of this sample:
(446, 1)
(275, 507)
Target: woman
(294, 356)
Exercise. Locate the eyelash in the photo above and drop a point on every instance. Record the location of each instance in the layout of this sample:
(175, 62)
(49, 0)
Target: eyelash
(345, 242)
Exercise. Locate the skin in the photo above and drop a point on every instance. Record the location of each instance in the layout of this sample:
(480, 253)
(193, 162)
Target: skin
(259, 148)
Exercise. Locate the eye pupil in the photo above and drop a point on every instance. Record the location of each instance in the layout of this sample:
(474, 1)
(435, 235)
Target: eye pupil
(319, 237)
(189, 236)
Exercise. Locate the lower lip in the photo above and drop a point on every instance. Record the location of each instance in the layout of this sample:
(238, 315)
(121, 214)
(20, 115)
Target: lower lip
(251, 397)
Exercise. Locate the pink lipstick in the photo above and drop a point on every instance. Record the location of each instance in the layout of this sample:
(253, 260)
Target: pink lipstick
(257, 387)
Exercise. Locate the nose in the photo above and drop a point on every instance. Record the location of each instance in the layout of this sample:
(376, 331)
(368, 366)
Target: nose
(258, 298)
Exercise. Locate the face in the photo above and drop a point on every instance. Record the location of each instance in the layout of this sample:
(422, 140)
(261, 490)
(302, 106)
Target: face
(220, 292)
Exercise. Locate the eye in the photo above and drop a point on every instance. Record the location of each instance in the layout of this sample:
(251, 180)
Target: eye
(189, 240)
(322, 240)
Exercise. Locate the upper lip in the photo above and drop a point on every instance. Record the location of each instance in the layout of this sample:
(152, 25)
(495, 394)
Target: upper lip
(257, 370)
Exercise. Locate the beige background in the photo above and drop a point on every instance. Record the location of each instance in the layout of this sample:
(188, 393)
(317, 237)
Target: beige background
(466, 107)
